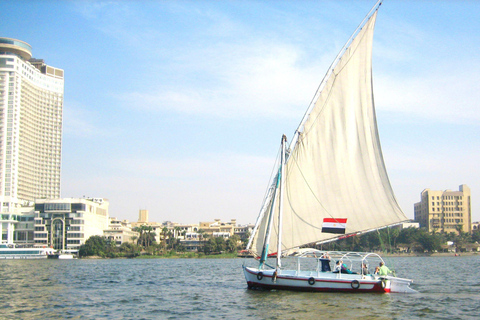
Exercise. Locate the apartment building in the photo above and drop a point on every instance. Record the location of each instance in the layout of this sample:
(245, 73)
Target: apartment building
(445, 211)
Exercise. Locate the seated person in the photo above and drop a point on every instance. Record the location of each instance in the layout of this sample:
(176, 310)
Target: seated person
(346, 270)
(338, 266)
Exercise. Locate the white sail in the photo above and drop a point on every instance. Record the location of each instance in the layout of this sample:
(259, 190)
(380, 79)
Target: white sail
(336, 168)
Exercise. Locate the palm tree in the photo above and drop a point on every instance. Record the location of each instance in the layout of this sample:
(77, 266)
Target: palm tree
(461, 238)
(140, 231)
(201, 236)
(149, 237)
(177, 231)
(133, 238)
(164, 237)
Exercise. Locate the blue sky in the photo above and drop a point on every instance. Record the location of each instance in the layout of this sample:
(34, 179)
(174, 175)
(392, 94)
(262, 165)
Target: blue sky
(178, 107)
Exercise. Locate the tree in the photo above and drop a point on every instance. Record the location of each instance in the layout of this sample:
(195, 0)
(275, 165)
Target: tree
(245, 239)
(94, 246)
(209, 246)
(164, 234)
(220, 244)
(429, 241)
(146, 236)
(177, 232)
(232, 243)
(215, 244)
(133, 238)
(130, 249)
(461, 238)
(476, 235)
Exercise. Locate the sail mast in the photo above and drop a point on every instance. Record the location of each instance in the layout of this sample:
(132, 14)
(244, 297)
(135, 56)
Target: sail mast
(280, 200)
(329, 72)
(266, 242)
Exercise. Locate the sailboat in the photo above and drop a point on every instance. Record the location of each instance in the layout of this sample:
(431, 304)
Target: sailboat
(331, 183)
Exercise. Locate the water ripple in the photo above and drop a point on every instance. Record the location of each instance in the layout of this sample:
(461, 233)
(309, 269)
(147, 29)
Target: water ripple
(216, 289)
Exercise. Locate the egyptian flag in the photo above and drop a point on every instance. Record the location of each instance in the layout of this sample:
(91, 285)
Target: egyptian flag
(332, 225)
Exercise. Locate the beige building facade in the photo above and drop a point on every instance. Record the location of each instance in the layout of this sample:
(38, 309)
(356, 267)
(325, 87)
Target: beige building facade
(445, 211)
(120, 231)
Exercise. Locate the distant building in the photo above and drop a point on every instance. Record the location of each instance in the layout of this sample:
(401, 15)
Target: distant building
(143, 221)
(410, 224)
(120, 231)
(219, 228)
(445, 211)
(245, 231)
(143, 216)
(65, 224)
(18, 227)
(31, 112)
(475, 226)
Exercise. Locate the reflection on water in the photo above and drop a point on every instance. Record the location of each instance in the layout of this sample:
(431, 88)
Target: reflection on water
(449, 288)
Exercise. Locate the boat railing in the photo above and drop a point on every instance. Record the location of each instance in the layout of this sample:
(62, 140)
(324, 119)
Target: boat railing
(353, 260)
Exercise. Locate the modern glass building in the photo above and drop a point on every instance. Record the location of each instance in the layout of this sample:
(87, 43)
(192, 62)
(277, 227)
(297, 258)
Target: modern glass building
(31, 112)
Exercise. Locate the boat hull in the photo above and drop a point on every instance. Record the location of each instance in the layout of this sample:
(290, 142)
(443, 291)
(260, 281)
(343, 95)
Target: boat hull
(62, 256)
(321, 281)
(9, 251)
(21, 256)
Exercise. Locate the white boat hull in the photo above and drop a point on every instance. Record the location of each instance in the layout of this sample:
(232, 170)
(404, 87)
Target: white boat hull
(323, 281)
(11, 252)
(62, 256)
(21, 256)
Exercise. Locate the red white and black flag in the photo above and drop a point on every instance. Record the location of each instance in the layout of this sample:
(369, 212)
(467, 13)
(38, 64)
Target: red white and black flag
(332, 225)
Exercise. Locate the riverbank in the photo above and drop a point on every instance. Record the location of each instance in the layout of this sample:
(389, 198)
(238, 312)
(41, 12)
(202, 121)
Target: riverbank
(187, 255)
(194, 255)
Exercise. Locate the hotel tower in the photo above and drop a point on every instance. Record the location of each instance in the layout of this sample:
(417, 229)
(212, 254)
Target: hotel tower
(31, 105)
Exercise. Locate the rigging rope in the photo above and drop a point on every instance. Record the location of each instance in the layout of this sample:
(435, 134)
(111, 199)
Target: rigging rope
(390, 261)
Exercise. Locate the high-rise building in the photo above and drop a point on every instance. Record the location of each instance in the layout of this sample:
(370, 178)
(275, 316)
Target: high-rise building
(445, 211)
(31, 112)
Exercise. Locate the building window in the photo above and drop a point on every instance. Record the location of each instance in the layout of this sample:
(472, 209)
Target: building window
(57, 207)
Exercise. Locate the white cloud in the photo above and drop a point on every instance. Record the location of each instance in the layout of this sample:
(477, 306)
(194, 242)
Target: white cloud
(246, 81)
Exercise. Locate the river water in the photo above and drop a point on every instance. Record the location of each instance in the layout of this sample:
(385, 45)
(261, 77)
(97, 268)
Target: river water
(449, 288)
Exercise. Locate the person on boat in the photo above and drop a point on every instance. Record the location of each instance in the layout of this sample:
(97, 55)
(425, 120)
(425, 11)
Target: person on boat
(325, 261)
(338, 266)
(345, 269)
(364, 269)
(383, 270)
